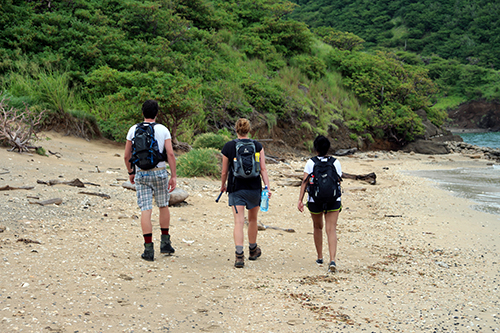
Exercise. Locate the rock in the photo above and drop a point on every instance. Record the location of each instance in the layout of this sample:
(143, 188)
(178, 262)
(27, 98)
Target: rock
(178, 195)
(344, 152)
(427, 147)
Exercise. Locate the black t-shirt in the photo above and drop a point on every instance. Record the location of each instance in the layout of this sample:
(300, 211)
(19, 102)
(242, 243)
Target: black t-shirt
(234, 184)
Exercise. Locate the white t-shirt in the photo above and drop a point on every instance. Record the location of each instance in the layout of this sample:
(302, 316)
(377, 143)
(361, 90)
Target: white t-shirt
(310, 166)
(161, 134)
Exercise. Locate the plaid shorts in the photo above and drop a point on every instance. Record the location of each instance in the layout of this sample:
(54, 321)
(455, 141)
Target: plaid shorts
(149, 184)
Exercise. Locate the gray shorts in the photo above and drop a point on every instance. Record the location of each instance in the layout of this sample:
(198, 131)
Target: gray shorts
(248, 198)
(149, 184)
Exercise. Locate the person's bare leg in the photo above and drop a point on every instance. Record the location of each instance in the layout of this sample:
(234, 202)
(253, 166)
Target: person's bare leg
(331, 233)
(318, 233)
(252, 225)
(239, 222)
(164, 217)
(146, 225)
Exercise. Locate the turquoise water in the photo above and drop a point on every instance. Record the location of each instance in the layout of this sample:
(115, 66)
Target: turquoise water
(481, 185)
(490, 139)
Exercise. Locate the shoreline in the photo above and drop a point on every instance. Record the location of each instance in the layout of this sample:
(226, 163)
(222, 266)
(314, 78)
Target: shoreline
(468, 130)
(411, 256)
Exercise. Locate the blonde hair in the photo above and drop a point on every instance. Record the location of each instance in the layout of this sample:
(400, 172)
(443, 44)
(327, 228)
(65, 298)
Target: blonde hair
(242, 126)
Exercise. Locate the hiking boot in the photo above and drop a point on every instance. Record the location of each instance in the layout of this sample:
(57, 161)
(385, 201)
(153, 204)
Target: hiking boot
(149, 252)
(319, 261)
(166, 246)
(255, 253)
(332, 268)
(240, 260)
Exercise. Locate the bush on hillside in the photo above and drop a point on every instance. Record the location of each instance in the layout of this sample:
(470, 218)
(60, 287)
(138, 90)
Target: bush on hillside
(210, 140)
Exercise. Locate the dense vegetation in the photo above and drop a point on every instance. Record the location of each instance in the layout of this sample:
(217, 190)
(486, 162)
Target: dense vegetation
(458, 42)
(207, 63)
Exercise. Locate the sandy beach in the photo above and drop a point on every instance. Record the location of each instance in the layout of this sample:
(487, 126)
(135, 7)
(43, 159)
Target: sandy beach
(411, 257)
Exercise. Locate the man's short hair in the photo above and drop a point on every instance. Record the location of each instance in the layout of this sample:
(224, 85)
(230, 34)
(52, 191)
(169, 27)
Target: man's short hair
(150, 109)
(321, 145)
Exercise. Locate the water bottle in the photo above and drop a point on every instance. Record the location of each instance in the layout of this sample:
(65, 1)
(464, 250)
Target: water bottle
(264, 200)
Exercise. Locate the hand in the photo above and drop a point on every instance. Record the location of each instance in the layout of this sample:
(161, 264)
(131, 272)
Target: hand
(132, 178)
(172, 183)
(269, 193)
(300, 206)
(223, 188)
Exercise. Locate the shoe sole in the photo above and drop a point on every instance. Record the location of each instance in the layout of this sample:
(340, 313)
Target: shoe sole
(239, 266)
(167, 252)
(147, 259)
(332, 269)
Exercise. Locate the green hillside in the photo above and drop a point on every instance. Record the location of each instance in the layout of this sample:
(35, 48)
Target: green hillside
(468, 31)
(457, 42)
(93, 62)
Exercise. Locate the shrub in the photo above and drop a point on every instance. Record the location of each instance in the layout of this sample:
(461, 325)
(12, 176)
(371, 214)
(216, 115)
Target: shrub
(199, 163)
(210, 140)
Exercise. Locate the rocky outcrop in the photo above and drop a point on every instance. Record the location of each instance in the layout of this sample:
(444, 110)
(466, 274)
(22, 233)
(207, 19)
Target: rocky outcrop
(473, 150)
(477, 115)
(432, 141)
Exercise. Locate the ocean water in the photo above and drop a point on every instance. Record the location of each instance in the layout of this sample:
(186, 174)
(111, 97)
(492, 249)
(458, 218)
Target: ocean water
(490, 139)
(481, 185)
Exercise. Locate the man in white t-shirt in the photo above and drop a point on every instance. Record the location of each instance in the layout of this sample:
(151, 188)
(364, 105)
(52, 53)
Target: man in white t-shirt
(153, 182)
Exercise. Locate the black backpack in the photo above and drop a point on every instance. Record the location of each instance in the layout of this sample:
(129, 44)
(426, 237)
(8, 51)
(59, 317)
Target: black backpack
(145, 152)
(324, 182)
(245, 164)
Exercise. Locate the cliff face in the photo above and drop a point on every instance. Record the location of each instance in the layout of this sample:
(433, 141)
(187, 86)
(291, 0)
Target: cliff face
(476, 115)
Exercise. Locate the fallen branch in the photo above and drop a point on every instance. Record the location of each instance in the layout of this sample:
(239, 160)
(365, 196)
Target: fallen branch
(57, 154)
(28, 241)
(75, 182)
(276, 228)
(7, 188)
(105, 196)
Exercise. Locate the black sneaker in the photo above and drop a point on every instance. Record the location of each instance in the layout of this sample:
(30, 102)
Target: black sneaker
(319, 261)
(240, 260)
(332, 268)
(255, 253)
(149, 252)
(166, 246)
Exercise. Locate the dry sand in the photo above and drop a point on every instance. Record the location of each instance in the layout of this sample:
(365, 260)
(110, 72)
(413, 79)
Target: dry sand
(76, 267)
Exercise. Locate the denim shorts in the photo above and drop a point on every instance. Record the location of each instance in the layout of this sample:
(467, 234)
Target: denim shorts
(248, 198)
(149, 184)
(315, 208)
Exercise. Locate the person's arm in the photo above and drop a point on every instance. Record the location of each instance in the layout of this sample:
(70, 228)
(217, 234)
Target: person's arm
(127, 156)
(172, 182)
(263, 170)
(223, 176)
(300, 204)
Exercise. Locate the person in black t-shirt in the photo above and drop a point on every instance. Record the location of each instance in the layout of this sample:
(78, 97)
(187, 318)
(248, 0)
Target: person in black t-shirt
(243, 193)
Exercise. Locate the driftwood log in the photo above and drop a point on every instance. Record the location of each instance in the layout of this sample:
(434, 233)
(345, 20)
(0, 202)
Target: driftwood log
(75, 182)
(102, 195)
(370, 177)
(7, 188)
